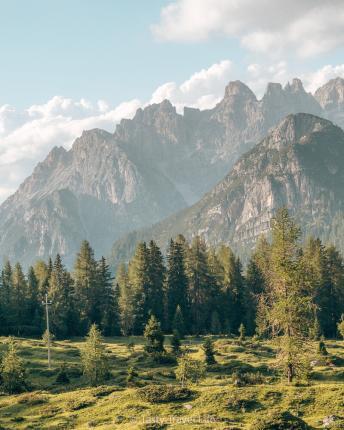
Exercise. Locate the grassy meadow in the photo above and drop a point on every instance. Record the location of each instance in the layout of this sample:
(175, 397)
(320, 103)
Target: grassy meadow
(222, 400)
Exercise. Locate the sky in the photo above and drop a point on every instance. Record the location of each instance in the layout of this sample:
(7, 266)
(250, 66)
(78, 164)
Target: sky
(71, 65)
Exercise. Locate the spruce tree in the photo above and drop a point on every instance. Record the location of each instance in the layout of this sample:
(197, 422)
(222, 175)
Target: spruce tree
(242, 332)
(61, 294)
(154, 336)
(176, 282)
(290, 309)
(93, 357)
(199, 281)
(13, 377)
(109, 291)
(6, 299)
(340, 326)
(155, 293)
(34, 314)
(86, 286)
(139, 279)
(175, 342)
(178, 322)
(209, 353)
(127, 304)
(19, 299)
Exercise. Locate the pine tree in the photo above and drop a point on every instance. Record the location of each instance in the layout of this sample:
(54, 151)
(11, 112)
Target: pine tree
(242, 332)
(255, 285)
(6, 299)
(155, 293)
(208, 349)
(127, 305)
(42, 273)
(233, 288)
(93, 357)
(139, 279)
(110, 320)
(13, 377)
(189, 370)
(176, 282)
(62, 297)
(290, 310)
(178, 322)
(19, 295)
(199, 282)
(175, 342)
(34, 314)
(340, 326)
(154, 336)
(86, 287)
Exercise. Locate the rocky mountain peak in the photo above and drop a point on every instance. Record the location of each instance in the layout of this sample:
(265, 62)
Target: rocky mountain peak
(298, 127)
(295, 86)
(331, 95)
(238, 89)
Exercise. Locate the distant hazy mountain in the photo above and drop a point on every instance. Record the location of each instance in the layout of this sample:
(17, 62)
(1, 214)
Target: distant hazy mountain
(300, 165)
(152, 166)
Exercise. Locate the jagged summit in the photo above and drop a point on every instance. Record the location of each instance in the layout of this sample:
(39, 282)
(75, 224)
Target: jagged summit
(299, 164)
(155, 164)
(238, 88)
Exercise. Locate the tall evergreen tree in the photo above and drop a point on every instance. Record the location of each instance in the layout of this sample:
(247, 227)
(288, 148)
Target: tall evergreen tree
(127, 303)
(176, 282)
(199, 283)
(86, 287)
(139, 278)
(6, 298)
(34, 314)
(61, 294)
(290, 310)
(110, 320)
(19, 299)
(155, 293)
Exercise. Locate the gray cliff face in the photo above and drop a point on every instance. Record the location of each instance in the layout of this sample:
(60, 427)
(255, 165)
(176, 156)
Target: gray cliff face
(94, 191)
(152, 166)
(300, 165)
(331, 98)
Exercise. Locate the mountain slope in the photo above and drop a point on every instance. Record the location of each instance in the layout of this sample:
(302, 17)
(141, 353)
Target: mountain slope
(152, 166)
(300, 165)
(93, 191)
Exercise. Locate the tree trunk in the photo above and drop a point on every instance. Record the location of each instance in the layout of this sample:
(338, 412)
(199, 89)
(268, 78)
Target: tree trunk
(290, 373)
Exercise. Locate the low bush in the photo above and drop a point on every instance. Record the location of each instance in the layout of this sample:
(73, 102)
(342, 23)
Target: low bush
(33, 399)
(164, 393)
(279, 421)
(76, 404)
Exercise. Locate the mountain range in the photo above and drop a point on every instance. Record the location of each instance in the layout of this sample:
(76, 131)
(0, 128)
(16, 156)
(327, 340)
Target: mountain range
(299, 165)
(160, 163)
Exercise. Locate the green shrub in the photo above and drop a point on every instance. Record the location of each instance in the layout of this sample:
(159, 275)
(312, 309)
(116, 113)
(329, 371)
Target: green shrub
(279, 421)
(32, 399)
(76, 404)
(62, 375)
(164, 393)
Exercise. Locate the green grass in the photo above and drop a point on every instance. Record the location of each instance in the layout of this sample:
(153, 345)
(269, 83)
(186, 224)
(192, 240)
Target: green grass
(216, 402)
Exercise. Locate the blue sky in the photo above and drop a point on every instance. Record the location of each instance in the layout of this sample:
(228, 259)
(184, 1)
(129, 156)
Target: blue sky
(70, 65)
(95, 49)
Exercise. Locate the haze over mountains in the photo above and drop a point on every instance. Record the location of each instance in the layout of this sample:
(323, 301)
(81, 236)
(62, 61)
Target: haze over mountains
(160, 162)
(300, 165)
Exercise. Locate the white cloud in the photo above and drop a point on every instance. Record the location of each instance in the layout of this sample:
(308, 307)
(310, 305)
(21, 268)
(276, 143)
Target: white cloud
(258, 76)
(307, 27)
(318, 78)
(27, 136)
(202, 90)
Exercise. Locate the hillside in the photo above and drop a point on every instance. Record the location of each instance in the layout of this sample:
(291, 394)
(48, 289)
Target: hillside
(300, 165)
